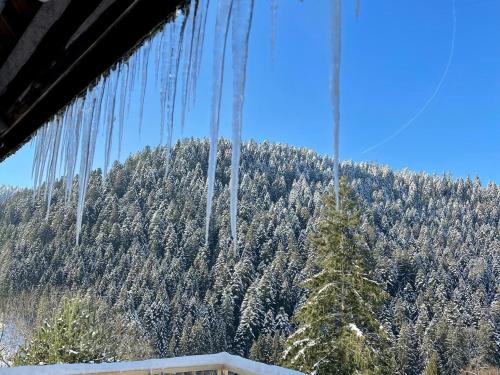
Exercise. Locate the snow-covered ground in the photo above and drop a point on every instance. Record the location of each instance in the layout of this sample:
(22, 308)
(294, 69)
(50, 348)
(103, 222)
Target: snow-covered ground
(10, 340)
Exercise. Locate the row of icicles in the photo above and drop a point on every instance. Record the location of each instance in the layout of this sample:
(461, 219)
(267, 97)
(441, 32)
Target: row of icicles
(68, 141)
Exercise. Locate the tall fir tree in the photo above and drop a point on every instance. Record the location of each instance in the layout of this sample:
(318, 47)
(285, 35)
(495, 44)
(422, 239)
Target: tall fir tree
(338, 331)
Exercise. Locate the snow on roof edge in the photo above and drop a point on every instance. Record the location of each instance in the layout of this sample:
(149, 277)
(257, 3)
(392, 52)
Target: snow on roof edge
(231, 362)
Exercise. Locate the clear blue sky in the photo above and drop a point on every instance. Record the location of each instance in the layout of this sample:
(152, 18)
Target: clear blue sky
(393, 58)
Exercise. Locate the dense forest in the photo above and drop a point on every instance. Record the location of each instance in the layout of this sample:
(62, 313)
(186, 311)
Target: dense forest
(434, 241)
(6, 192)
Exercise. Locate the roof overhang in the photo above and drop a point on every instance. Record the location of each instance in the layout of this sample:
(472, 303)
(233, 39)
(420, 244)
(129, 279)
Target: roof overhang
(50, 52)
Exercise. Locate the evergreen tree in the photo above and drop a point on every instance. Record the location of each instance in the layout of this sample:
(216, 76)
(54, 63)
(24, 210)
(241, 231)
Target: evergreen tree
(268, 348)
(73, 335)
(406, 351)
(338, 331)
(432, 367)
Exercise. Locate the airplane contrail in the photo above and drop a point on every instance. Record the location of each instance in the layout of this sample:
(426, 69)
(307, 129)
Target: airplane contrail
(432, 97)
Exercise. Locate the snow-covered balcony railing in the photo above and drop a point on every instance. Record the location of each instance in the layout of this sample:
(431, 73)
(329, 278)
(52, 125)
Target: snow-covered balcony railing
(220, 364)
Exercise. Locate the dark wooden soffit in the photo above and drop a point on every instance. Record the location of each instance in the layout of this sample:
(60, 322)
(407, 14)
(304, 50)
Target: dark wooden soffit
(51, 52)
(15, 16)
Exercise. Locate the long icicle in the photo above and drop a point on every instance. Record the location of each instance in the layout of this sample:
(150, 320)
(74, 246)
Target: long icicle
(193, 11)
(73, 144)
(46, 152)
(159, 53)
(144, 83)
(199, 51)
(86, 147)
(224, 9)
(134, 75)
(335, 90)
(51, 150)
(67, 146)
(173, 91)
(164, 62)
(36, 141)
(242, 24)
(89, 137)
(40, 158)
(109, 124)
(125, 70)
(54, 158)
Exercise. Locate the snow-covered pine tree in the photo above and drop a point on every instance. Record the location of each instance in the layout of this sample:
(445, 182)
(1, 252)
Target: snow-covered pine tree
(432, 367)
(406, 351)
(73, 335)
(338, 332)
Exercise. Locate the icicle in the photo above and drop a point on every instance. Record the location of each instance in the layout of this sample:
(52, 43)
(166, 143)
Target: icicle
(166, 75)
(100, 92)
(159, 54)
(335, 90)
(193, 55)
(173, 90)
(242, 23)
(274, 27)
(193, 10)
(200, 41)
(123, 72)
(82, 178)
(358, 8)
(224, 9)
(67, 146)
(144, 82)
(109, 122)
(45, 153)
(106, 94)
(40, 158)
(36, 141)
(72, 145)
(133, 72)
(89, 136)
(54, 158)
(50, 151)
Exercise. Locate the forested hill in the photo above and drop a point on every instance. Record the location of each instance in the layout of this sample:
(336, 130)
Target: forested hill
(435, 240)
(7, 191)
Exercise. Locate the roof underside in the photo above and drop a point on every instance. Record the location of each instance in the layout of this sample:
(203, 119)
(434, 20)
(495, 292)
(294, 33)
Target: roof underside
(51, 52)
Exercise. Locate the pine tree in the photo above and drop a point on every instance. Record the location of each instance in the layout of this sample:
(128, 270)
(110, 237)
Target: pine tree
(74, 335)
(338, 332)
(261, 349)
(432, 367)
(406, 351)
